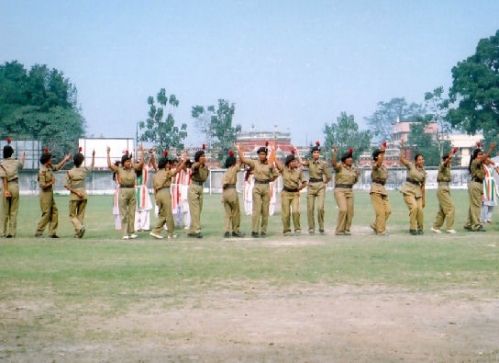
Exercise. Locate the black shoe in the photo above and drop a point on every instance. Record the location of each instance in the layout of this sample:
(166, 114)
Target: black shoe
(468, 228)
(38, 235)
(8, 236)
(321, 231)
(414, 232)
(263, 234)
(227, 235)
(481, 229)
(255, 234)
(195, 235)
(420, 231)
(237, 234)
(54, 236)
(81, 232)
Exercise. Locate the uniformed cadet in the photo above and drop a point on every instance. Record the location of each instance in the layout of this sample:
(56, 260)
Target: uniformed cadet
(199, 174)
(127, 178)
(413, 191)
(75, 183)
(9, 172)
(378, 193)
(264, 173)
(445, 204)
(293, 182)
(230, 198)
(319, 176)
(475, 189)
(162, 181)
(46, 180)
(346, 176)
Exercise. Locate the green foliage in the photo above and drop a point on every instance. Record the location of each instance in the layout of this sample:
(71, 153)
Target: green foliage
(216, 123)
(39, 104)
(160, 128)
(344, 133)
(387, 113)
(475, 89)
(427, 144)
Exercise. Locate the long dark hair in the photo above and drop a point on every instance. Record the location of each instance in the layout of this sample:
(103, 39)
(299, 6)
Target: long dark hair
(473, 157)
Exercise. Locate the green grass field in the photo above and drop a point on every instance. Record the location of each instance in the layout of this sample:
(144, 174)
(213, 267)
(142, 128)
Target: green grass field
(104, 275)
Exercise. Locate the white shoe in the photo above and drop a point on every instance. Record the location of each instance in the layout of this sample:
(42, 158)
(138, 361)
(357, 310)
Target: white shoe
(126, 236)
(436, 230)
(157, 236)
(172, 236)
(133, 236)
(451, 231)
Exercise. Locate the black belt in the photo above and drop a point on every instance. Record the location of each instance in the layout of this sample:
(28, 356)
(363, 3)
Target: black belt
(382, 182)
(229, 186)
(198, 182)
(348, 186)
(443, 181)
(315, 180)
(16, 180)
(127, 186)
(478, 180)
(412, 181)
(262, 181)
(289, 190)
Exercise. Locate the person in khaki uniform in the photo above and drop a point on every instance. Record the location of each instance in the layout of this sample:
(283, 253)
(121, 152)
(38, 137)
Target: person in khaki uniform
(9, 172)
(319, 176)
(413, 191)
(446, 207)
(162, 181)
(290, 196)
(75, 183)
(475, 189)
(346, 176)
(264, 173)
(195, 195)
(126, 176)
(46, 180)
(230, 199)
(378, 193)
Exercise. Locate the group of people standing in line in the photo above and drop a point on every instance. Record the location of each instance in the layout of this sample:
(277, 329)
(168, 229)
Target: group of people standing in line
(132, 204)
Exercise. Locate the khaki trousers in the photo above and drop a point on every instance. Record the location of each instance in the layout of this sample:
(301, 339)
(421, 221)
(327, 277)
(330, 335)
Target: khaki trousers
(50, 214)
(127, 204)
(344, 200)
(77, 209)
(382, 211)
(165, 215)
(316, 191)
(416, 216)
(290, 205)
(260, 213)
(232, 219)
(195, 199)
(475, 192)
(10, 206)
(446, 209)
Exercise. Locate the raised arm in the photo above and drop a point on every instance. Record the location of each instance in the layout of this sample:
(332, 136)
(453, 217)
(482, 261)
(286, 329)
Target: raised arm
(92, 165)
(180, 165)
(110, 165)
(62, 162)
(334, 152)
(278, 164)
(140, 164)
(402, 158)
(453, 152)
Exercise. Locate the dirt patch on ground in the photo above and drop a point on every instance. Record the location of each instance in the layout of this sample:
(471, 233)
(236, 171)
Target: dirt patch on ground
(259, 323)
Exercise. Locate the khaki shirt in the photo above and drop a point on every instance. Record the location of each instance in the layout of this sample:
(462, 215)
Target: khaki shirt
(10, 168)
(292, 178)
(230, 176)
(345, 174)
(476, 168)
(162, 179)
(45, 177)
(261, 171)
(415, 174)
(199, 173)
(318, 170)
(75, 180)
(444, 173)
(379, 174)
(126, 177)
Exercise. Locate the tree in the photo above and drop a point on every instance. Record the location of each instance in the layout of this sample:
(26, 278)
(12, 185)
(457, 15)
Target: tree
(216, 123)
(344, 133)
(475, 90)
(436, 107)
(387, 113)
(424, 143)
(40, 104)
(160, 129)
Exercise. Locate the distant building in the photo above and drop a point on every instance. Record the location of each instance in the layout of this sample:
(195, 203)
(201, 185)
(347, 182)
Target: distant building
(465, 144)
(118, 147)
(32, 149)
(250, 141)
(402, 129)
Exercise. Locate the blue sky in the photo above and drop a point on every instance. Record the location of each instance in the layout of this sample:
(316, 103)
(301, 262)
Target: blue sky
(294, 64)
